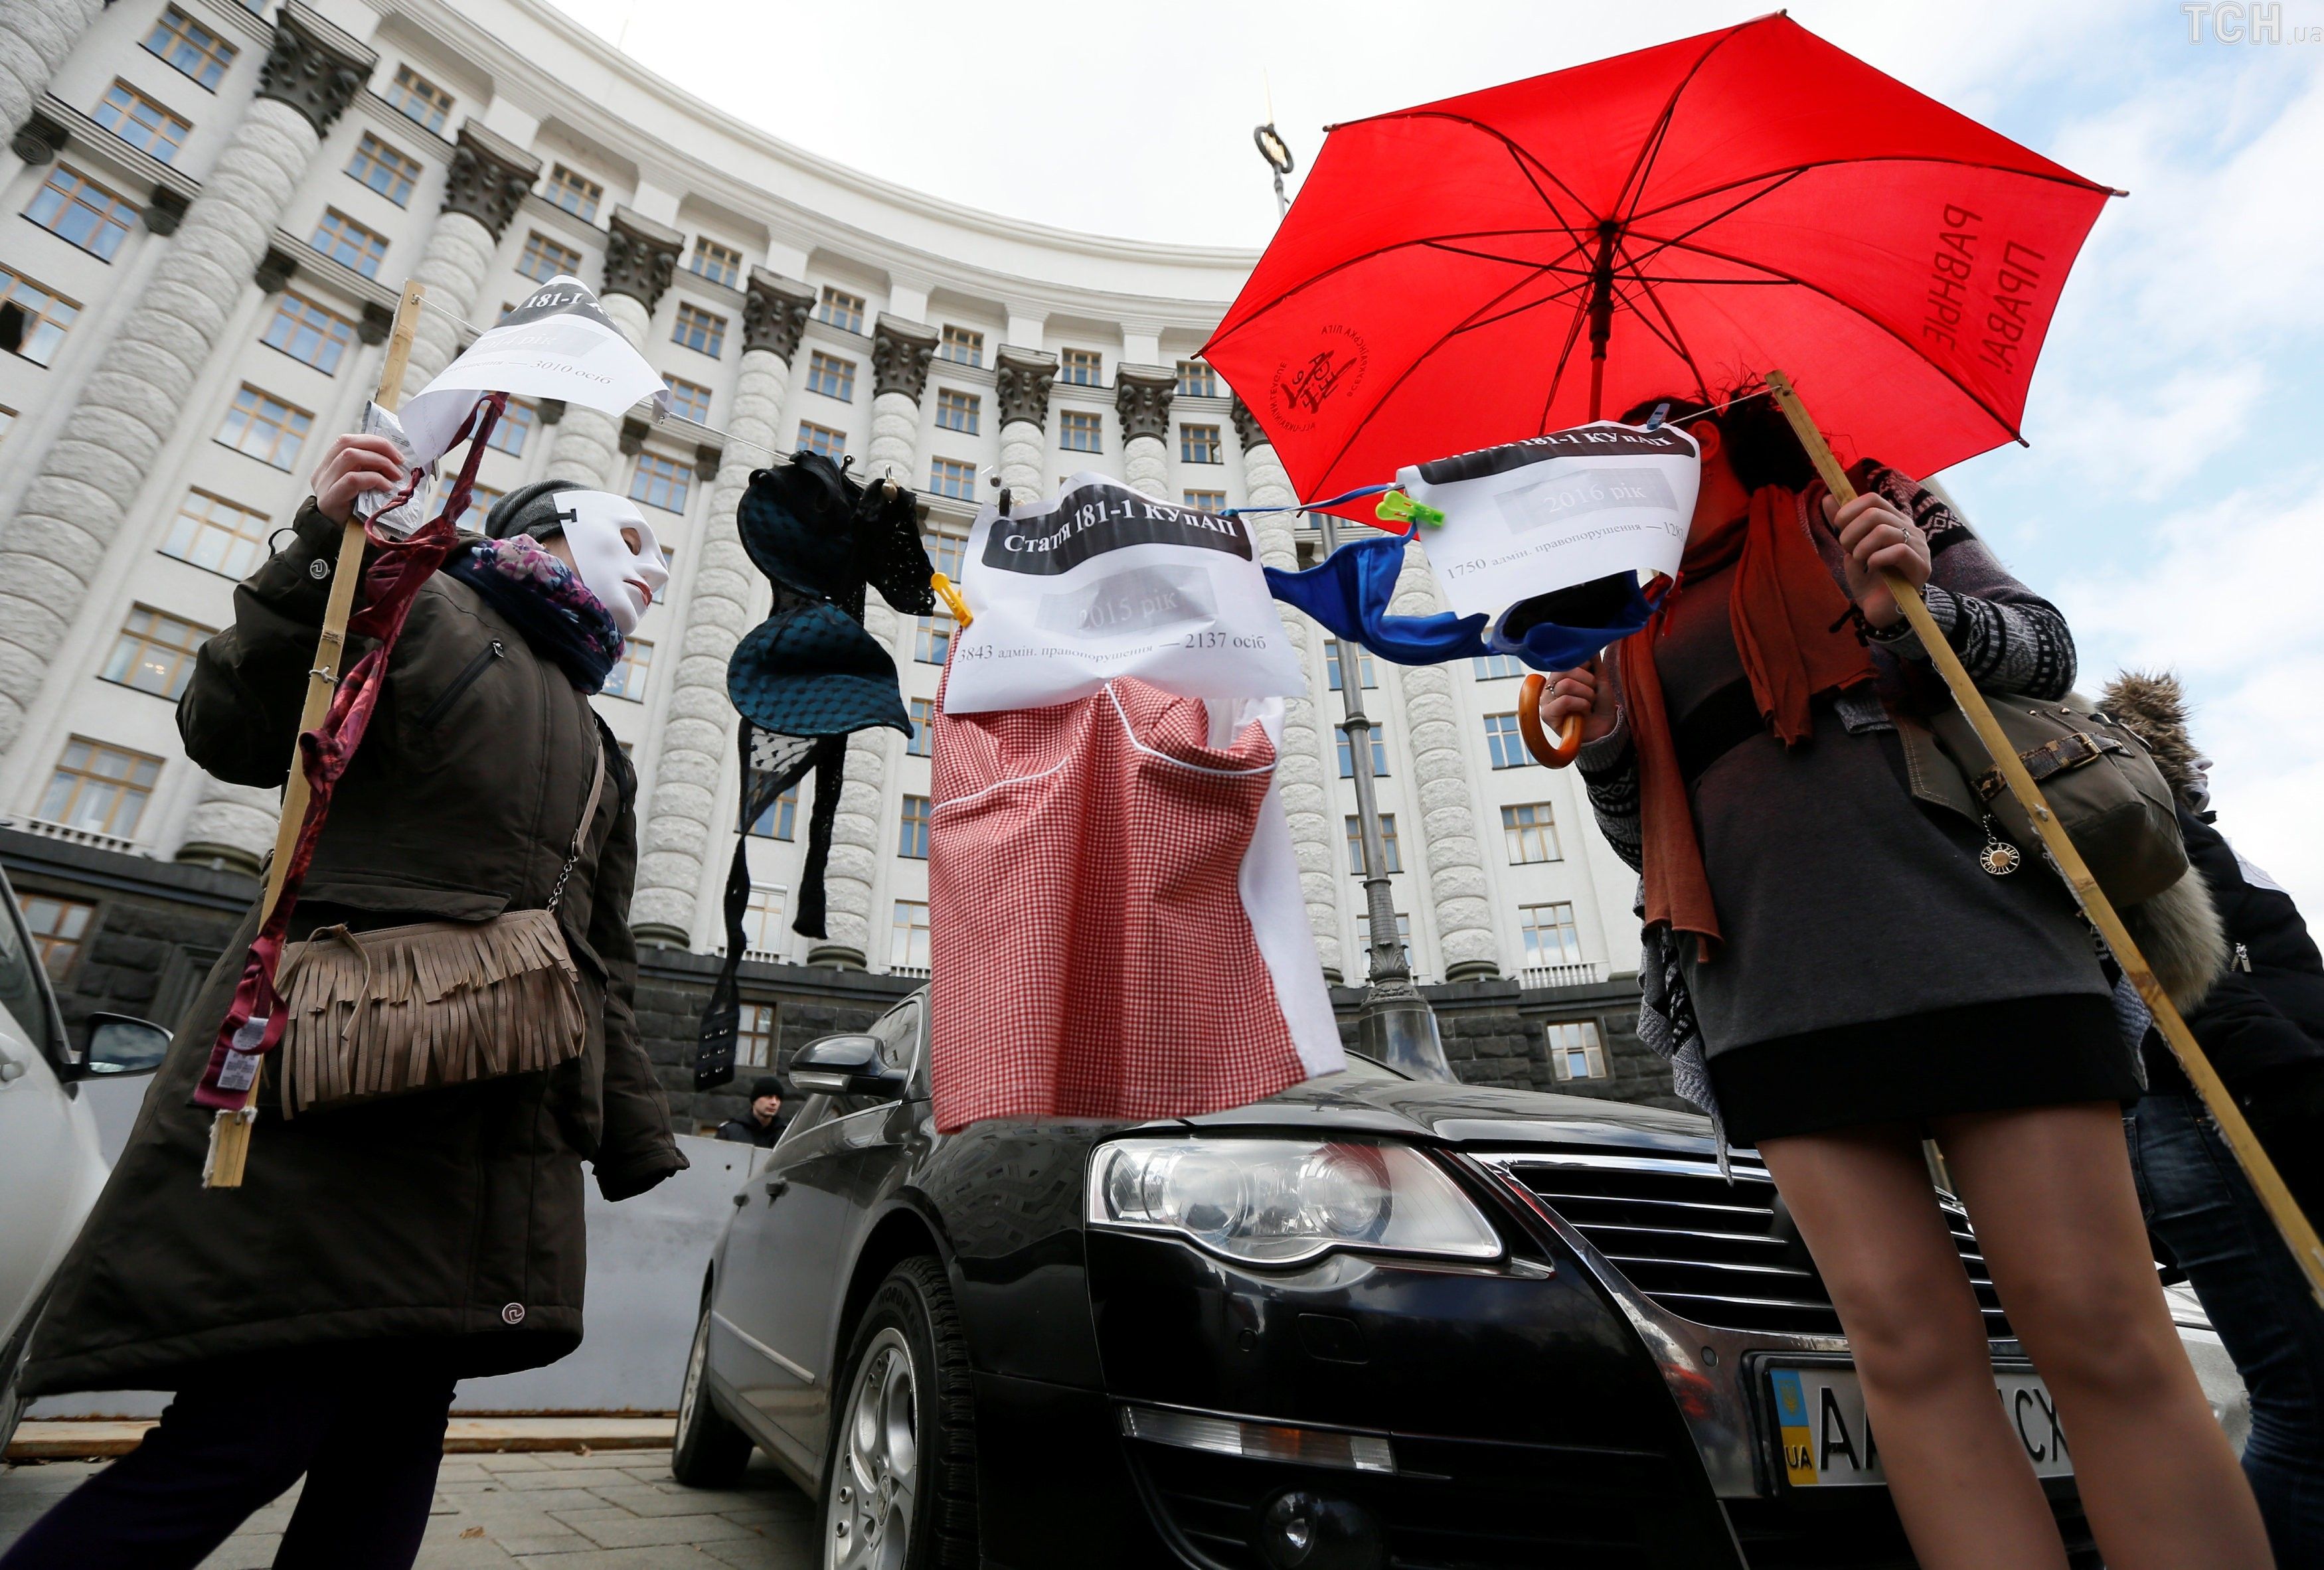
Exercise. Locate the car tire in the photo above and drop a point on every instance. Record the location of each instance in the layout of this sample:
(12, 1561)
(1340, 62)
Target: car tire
(709, 1450)
(902, 1455)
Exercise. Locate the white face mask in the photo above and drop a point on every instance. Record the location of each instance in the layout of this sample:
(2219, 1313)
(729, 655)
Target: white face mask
(615, 554)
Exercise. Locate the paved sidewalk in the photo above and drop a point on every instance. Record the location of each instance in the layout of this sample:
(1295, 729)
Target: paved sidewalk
(612, 1510)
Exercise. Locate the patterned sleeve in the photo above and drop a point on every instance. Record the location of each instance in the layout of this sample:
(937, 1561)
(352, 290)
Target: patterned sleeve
(1609, 774)
(2008, 637)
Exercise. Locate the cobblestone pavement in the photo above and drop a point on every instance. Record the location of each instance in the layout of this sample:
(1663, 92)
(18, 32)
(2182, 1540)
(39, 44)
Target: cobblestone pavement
(616, 1509)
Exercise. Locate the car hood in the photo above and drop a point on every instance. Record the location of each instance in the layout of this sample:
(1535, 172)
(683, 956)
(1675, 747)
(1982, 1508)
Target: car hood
(1479, 1115)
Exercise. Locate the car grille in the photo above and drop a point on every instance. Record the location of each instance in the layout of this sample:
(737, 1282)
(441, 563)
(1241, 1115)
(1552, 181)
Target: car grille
(1859, 1531)
(1711, 1251)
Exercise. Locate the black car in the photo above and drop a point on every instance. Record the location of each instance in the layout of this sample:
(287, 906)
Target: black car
(1371, 1322)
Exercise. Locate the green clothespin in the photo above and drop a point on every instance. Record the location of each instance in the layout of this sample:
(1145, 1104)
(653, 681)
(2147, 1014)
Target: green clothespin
(1396, 507)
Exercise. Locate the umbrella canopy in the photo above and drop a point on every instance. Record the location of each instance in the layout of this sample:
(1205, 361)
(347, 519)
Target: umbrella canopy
(1680, 219)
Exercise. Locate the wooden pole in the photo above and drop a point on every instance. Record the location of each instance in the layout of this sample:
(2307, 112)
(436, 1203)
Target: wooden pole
(230, 1130)
(2298, 1235)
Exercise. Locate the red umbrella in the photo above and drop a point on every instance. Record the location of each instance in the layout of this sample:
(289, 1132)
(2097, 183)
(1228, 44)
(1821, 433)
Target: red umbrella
(1680, 219)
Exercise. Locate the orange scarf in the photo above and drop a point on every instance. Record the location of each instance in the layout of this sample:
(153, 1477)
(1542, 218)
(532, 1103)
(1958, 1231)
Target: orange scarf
(1789, 620)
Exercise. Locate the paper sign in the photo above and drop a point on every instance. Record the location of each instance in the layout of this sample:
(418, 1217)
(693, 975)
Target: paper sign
(1555, 510)
(398, 521)
(1101, 581)
(558, 342)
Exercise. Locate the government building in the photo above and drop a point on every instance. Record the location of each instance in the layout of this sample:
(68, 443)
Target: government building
(212, 209)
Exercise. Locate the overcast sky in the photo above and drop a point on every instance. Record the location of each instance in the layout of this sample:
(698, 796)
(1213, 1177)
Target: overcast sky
(2172, 500)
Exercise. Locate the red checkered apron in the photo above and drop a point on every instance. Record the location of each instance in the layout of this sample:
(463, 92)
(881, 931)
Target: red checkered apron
(1090, 950)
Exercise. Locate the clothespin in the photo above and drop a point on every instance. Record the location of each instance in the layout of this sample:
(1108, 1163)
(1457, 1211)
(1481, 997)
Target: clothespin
(1662, 413)
(951, 597)
(1396, 507)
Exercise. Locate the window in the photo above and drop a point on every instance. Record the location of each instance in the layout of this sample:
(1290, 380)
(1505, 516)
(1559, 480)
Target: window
(699, 330)
(912, 833)
(1393, 855)
(1197, 379)
(956, 411)
(831, 376)
(419, 100)
(576, 193)
(1082, 368)
(390, 173)
(1492, 667)
(950, 477)
(190, 47)
(349, 242)
(718, 264)
(961, 346)
(1200, 444)
(660, 483)
(762, 923)
(1348, 756)
(944, 553)
(1550, 937)
(840, 310)
(142, 123)
(81, 212)
(1574, 1051)
(513, 429)
(216, 535)
(922, 743)
(815, 438)
(99, 789)
(481, 498)
(155, 653)
(628, 679)
(1366, 671)
(1504, 742)
(58, 927)
(1530, 833)
(908, 936)
(1204, 500)
(1079, 432)
(544, 259)
(932, 641)
(754, 1034)
(781, 819)
(262, 426)
(47, 316)
(306, 331)
(688, 399)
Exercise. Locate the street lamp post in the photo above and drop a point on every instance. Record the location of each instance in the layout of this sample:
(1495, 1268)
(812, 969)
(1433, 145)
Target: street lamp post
(1395, 1026)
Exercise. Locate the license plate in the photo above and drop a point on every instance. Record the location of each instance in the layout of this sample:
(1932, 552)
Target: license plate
(1827, 1440)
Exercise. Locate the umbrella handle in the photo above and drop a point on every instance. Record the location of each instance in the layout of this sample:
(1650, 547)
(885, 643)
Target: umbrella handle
(1536, 741)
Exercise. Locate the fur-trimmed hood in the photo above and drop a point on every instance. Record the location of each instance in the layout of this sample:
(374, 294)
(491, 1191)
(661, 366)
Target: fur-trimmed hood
(2152, 704)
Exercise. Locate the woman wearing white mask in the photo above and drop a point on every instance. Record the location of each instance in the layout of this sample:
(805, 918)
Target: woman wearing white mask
(314, 1321)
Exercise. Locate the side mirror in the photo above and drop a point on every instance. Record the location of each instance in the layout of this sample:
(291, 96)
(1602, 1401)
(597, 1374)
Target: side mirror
(120, 1047)
(849, 1065)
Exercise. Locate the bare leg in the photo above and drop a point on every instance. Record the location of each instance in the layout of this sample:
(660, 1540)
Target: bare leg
(1864, 1204)
(2050, 1191)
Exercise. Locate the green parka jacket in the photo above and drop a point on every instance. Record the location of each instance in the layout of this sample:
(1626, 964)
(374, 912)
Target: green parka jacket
(449, 1217)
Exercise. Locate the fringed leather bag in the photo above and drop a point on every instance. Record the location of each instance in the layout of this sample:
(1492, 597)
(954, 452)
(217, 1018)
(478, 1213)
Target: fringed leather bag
(397, 1009)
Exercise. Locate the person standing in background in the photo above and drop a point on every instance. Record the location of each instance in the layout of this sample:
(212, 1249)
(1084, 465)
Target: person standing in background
(764, 1124)
(2263, 1028)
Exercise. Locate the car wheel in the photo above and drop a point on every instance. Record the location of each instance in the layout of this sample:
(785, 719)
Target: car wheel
(709, 1450)
(900, 1477)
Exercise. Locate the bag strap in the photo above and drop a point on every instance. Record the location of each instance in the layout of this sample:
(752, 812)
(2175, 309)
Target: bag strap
(588, 816)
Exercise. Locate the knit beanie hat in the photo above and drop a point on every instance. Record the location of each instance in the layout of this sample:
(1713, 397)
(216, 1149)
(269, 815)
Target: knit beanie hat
(530, 509)
(765, 1084)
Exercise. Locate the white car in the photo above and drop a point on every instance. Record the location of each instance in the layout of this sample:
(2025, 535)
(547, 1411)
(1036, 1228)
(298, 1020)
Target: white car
(51, 1168)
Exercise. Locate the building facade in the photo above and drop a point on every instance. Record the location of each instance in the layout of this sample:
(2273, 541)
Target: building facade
(211, 211)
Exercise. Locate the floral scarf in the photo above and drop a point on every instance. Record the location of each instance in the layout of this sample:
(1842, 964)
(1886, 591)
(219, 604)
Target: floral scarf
(546, 600)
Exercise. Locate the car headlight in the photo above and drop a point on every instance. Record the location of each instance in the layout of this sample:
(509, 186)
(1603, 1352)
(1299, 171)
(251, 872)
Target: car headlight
(1285, 1202)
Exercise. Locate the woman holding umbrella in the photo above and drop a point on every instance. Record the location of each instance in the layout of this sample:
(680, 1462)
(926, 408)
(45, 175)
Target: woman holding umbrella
(1862, 973)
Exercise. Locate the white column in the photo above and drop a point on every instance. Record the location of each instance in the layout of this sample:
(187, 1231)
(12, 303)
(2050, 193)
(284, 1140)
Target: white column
(680, 836)
(35, 36)
(901, 353)
(1141, 398)
(1448, 797)
(137, 393)
(854, 865)
(483, 183)
(895, 438)
(640, 256)
(1308, 754)
(232, 826)
(1022, 380)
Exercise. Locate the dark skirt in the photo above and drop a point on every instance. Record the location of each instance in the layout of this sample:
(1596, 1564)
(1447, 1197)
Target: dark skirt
(1980, 1057)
